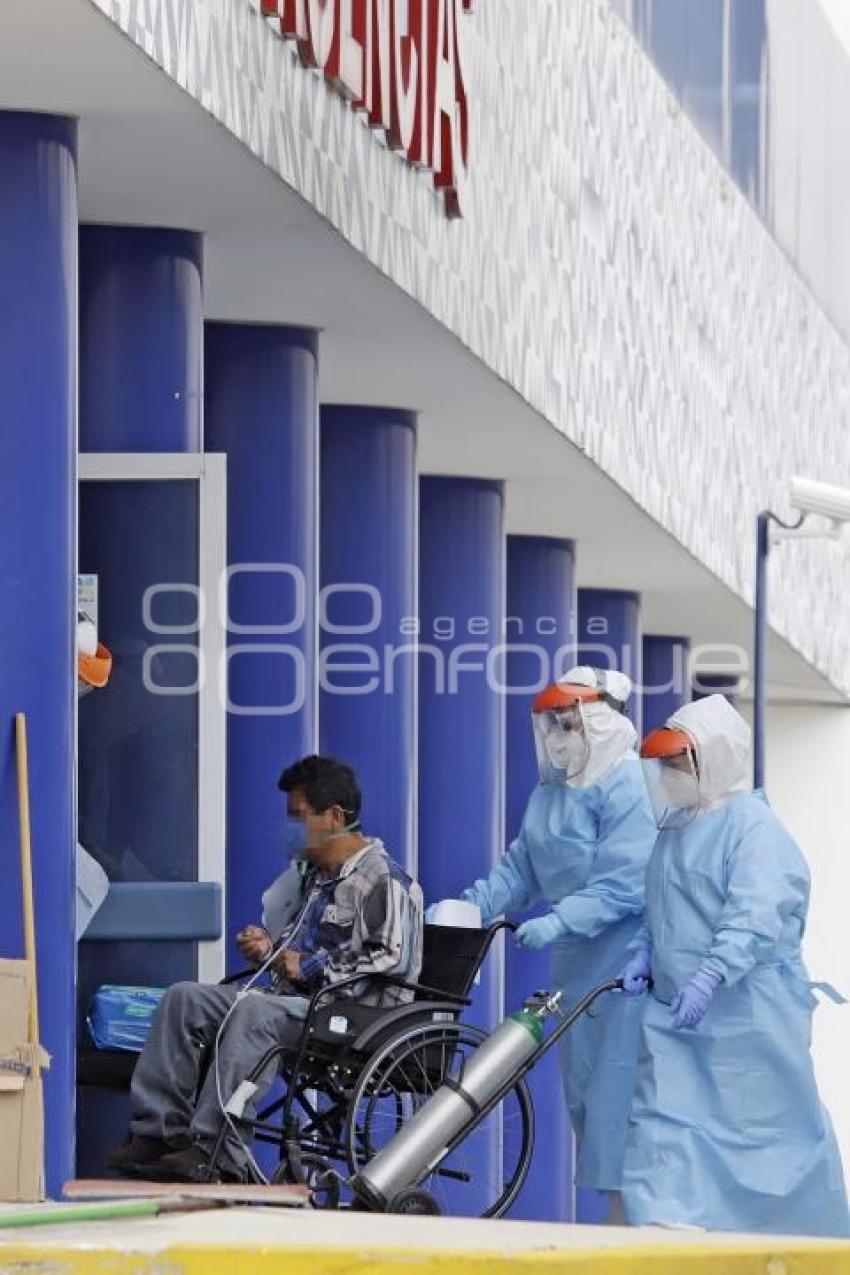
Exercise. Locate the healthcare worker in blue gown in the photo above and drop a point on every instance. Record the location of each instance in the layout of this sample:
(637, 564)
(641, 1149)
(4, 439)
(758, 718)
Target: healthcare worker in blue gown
(727, 1129)
(583, 848)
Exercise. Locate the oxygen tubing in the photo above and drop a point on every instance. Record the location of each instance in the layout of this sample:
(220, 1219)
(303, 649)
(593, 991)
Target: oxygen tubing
(81, 1213)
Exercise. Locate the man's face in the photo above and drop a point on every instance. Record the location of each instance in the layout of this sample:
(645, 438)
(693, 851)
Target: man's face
(318, 825)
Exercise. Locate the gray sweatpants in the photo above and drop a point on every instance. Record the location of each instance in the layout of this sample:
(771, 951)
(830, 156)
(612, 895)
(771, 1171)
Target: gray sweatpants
(164, 1098)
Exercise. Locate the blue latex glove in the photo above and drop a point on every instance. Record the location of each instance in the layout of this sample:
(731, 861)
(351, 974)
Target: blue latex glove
(541, 931)
(690, 1003)
(637, 972)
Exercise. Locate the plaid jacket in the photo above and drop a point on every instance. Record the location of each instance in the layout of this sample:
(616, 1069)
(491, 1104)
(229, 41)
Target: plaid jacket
(365, 920)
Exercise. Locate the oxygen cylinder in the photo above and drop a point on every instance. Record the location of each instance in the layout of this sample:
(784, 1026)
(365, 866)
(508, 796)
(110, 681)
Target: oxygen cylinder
(421, 1143)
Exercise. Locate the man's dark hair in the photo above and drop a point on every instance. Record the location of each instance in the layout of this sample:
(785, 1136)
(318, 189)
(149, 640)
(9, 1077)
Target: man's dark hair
(324, 782)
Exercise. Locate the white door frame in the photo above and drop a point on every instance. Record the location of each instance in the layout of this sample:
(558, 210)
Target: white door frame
(209, 470)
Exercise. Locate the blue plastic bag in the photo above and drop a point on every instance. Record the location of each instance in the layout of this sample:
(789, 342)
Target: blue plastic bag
(120, 1017)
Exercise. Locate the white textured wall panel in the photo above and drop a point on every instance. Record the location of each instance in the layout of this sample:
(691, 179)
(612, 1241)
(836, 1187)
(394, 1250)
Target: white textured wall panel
(810, 144)
(607, 268)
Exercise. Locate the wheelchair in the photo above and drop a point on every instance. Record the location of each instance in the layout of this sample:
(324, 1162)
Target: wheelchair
(360, 1072)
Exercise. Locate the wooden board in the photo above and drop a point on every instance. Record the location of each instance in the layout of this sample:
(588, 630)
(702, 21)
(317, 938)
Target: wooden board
(296, 1197)
(25, 830)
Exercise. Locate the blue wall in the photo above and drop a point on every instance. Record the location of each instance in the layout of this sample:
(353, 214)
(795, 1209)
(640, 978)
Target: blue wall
(368, 538)
(38, 271)
(261, 408)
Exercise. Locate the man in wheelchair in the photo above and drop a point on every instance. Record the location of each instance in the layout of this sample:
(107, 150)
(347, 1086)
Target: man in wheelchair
(355, 912)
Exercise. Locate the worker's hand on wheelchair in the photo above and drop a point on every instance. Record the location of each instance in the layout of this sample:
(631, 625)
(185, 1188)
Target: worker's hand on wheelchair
(254, 944)
(638, 972)
(540, 931)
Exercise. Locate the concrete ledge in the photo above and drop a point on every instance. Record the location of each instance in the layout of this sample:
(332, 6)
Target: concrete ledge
(249, 1241)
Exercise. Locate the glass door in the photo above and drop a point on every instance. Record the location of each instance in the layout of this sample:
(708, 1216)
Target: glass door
(151, 744)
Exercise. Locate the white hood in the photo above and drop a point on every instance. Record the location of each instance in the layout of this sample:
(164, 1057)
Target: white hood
(612, 738)
(610, 735)
(722, 740)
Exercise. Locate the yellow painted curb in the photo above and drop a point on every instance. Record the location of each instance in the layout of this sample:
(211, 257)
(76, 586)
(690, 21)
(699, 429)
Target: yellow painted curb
(782, 1258)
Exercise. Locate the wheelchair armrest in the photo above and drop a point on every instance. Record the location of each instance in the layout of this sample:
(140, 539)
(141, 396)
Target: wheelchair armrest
(394, 980)
(330, 989)
(234, 978)
(432, 993)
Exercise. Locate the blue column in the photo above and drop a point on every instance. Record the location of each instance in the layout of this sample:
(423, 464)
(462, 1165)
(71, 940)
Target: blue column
(261, 408)
(461, 734)
(609, 636)
(665, 678)
(141, 334)
(541, 624)
(38, 301)
(141, 344)
(461, 715)
(367, 709)
(728, 684)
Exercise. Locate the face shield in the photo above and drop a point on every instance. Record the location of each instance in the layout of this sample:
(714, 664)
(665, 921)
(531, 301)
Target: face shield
(577, 725)
(670, 769)
(561, 742)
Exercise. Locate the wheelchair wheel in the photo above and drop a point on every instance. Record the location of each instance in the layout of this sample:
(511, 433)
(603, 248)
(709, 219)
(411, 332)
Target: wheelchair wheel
(483, 1175)
(322, 1183)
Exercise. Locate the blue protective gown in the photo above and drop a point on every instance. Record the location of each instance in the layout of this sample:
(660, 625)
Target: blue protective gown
(727, 1129)
(585, 851)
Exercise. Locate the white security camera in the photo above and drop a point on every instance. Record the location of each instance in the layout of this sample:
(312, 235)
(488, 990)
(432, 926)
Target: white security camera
(811, 497)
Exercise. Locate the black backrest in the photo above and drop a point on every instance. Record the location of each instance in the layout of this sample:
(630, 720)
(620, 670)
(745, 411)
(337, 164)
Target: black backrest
(451, 957)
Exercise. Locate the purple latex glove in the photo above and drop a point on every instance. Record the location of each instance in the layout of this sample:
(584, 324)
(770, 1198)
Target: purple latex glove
(637, 972)
(690, 1003)
(541, 931)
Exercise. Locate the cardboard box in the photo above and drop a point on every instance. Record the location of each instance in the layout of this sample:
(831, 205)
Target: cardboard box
(21, 1098)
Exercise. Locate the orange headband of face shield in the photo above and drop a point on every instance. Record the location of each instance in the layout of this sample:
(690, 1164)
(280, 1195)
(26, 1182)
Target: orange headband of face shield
(666, 742)
(566, 695)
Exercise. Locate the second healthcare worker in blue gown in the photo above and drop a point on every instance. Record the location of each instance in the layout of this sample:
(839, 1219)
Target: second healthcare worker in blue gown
(583, 848)
(727, 1130)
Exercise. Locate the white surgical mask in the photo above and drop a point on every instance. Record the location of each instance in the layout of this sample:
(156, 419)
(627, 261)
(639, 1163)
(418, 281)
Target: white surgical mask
(567, 751)
(681, 789)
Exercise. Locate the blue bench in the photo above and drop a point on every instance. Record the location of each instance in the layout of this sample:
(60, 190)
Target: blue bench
(158, 911)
